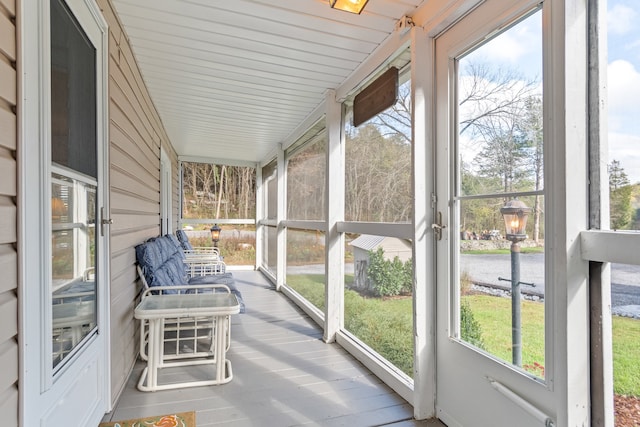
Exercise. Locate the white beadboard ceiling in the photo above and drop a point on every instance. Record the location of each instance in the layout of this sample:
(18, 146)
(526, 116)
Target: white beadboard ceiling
(232, 79)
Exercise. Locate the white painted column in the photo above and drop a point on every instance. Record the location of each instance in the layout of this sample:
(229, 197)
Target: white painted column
(566, 175)
(334, 246)
(260, 203)
(424, 304)
(281, 265)
(602, 405)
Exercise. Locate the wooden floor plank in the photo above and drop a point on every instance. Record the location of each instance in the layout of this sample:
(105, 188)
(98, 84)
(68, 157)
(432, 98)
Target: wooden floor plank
(284, 375)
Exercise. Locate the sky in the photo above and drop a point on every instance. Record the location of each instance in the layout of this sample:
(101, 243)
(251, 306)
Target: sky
(623, 21)
(520, 48)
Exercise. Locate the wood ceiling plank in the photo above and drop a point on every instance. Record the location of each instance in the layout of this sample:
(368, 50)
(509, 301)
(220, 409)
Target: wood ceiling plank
(243, 49)
(229, 63)
(370, 27)
(156, 21)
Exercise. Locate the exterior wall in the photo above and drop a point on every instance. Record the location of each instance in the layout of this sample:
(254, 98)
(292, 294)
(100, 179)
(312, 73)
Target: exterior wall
(394, 247)
(8, 217)
(136, 135)
(360, 264)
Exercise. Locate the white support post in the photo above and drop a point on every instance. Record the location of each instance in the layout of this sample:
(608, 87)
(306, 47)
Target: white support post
(602, 404)
(260, 202)
(422, 77)
(281, 265)
(567, 202)
(334, 295)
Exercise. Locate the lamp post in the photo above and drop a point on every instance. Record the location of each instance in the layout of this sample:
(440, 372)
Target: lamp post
(515, 215)
(215, 234)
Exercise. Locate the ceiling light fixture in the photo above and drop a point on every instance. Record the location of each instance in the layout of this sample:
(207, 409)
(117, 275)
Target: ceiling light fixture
(353, 6)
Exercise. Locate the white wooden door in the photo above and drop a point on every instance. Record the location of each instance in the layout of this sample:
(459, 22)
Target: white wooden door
(488, 131)
(65, 218)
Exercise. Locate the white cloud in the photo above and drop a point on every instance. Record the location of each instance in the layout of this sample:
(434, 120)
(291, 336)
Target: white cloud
(523, 41)
(624, 89)
(504, 48)
(620, 19)
(624, 111)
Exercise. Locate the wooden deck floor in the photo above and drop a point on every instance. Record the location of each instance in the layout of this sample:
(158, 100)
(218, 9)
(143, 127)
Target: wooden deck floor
(284, 375)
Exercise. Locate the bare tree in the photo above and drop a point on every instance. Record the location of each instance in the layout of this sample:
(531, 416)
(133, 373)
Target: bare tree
(490, 92)
(215, 191)
(396, 121)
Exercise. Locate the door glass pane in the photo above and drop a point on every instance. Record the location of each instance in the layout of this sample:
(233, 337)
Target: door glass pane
(500, 181)
(73, 263)
(73, 183)
(624, 109)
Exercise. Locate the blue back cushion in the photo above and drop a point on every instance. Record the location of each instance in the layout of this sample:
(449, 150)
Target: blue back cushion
(184, 240)
(174, 241)
(161, 262)
(148, 255)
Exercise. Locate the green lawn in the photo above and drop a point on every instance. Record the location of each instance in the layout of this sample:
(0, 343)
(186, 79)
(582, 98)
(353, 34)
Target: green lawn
(626, 356)
(494, 316)
(525, 250)
(386, 326)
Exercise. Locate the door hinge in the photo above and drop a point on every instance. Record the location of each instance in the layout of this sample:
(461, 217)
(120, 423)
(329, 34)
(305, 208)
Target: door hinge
(104, 221)
(438, 226)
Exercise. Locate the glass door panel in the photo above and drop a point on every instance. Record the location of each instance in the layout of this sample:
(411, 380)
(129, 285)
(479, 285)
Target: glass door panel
(74, 155)
(491, 310)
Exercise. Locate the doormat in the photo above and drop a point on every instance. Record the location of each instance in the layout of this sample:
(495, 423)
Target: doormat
(182, 419)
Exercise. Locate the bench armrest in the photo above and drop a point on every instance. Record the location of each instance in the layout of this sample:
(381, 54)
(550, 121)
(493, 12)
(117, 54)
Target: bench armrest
(188, 288)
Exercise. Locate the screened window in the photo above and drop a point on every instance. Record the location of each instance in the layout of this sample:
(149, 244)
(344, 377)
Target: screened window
(306, 184)
(378, 295)
(222, 195)
(270, 200)
(378, 160)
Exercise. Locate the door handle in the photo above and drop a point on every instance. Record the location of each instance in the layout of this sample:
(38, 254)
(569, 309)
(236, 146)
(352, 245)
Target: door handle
(438, 226)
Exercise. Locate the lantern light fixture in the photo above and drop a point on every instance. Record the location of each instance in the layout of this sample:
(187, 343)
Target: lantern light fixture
(515, 214)
(215, 234)
(353, 6)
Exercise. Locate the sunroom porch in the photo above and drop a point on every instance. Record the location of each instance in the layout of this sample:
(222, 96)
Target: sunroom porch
(265, 86)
